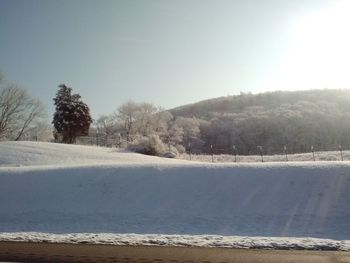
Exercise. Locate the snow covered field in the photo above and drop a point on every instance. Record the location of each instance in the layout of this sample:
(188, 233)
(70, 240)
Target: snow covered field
(67, 190)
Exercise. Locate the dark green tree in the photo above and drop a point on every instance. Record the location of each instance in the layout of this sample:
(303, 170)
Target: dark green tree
(72, 116)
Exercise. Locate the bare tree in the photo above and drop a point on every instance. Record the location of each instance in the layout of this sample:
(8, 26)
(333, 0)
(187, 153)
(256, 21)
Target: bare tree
(17, 112)
(35, 110)
(12, 105)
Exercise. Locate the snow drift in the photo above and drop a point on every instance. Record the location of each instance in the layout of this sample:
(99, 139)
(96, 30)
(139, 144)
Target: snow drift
(106, 191)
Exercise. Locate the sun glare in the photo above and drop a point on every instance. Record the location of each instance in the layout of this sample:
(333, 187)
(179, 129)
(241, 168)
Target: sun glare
(319, 50)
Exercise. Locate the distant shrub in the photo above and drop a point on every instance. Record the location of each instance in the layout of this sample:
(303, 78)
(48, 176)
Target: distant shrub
(180, 148)
(170, 155)
(151, 145)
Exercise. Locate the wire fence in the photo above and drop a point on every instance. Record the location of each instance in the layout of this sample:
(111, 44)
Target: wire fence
(102, 140)
(296, 157)
(219, 155)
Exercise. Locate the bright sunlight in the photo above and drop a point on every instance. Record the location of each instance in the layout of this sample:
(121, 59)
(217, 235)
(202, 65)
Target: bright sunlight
(318, 55)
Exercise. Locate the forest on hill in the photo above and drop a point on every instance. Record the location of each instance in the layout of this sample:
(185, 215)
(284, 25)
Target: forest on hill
(245, 123)
(297, 120)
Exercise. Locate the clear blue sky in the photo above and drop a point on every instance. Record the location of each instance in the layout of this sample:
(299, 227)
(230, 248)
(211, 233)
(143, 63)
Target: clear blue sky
(167, 52)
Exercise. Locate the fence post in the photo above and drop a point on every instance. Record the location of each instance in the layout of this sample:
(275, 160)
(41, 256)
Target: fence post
(119, 140)
(285, 152)
(341, 152)
(97, 137)
(260, 148)
(313, 152)
(234, 152)
(169, 143)
(189, 150)
(212, 153)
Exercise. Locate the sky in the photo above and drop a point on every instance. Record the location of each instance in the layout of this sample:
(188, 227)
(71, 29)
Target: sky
(172, 53)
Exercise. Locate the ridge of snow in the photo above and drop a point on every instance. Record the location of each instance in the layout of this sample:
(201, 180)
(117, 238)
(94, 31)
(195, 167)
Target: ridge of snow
(181, 240)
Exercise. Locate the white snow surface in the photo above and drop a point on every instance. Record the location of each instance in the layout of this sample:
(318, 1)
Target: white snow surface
(15, 154)
(58, 192)
(181, 240)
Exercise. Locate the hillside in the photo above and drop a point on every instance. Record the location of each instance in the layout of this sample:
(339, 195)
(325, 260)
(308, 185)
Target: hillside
(106, 191)
(298, 120)
(244, 102)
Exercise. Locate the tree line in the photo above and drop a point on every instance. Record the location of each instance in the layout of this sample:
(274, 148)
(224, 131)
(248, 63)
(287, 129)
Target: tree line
(238, 124)
(229, 125)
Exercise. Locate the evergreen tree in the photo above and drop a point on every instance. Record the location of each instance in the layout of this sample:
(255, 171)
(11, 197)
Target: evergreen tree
(72, 116)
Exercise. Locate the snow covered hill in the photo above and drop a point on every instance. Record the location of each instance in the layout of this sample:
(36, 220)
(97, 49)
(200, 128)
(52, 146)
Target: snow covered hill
(64, 189)
(53, 154)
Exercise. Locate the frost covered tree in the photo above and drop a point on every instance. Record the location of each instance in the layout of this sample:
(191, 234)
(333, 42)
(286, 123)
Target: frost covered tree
(127, 115)
(191, 132)
(72, 116)
(145, 119)
(141, 120)
(106, 125)
(173, 135)
(147, 128)
(41, 131)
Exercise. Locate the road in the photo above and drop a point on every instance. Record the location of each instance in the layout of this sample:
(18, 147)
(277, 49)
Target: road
(68, 253)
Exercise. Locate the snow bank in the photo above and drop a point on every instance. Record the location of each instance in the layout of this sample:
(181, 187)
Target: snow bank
(78, 189)
(180, 240)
